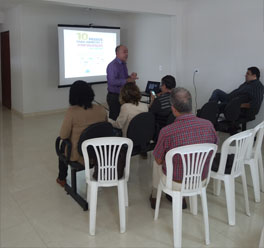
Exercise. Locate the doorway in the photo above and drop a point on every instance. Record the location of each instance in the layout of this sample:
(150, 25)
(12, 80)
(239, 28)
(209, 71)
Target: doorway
(5, 70)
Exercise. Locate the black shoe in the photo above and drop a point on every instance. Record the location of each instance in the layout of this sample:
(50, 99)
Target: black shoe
(143, 155)
(152, 202)
(184, 204)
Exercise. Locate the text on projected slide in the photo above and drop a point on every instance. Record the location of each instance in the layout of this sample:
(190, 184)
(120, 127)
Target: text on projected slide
(87, 53)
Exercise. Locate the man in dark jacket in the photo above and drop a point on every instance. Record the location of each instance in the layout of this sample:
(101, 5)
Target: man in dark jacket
(249, 94)
(160, 106)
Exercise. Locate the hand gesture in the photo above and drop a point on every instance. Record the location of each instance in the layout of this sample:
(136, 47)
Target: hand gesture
(134, 75)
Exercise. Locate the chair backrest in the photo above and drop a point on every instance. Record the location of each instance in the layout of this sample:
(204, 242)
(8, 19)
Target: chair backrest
(194, 158)
(171, 119)
(256, 140)
(107, 150)
(261, 241)
(141, 130)
(162, 119)
(209, 111)
(96, 130)
(232, 109)
(236, 144)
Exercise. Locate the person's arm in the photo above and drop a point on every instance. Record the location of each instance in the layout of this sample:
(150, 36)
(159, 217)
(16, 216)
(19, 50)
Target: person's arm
(237, 92)
(133, 76)
(159, 161)
(66, 127)
(130, 80)
(121, 119)
(152, 99)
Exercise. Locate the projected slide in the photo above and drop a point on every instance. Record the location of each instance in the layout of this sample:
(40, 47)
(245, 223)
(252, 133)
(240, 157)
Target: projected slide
(87, 53)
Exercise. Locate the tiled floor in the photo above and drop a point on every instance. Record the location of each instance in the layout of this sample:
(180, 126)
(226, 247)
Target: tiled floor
(36, 212)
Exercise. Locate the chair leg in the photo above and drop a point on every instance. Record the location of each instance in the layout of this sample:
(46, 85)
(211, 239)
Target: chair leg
(88, 192)
(121, 202)
(217, 187)
(253, 165)
(261, 172)
(73, 180)
(205, 216)
(126, 194)
(93, 204)
(244, 182)
(158, 202)
(193, 204)
(177, 218)
(230, 200)
(244, 126)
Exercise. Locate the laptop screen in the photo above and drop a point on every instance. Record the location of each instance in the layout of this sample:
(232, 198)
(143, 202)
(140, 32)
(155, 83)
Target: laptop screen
(152, 85)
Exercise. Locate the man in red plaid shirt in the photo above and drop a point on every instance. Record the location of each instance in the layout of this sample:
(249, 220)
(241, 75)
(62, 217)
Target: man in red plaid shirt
(187, 129)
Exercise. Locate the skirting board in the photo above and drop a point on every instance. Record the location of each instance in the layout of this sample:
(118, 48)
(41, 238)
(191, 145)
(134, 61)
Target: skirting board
(22, 115)
(56, 111)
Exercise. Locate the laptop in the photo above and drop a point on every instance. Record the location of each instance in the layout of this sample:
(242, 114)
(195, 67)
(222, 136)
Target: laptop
(152, 86)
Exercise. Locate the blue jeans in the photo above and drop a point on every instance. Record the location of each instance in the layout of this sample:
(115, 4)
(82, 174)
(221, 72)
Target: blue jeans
(219, 96)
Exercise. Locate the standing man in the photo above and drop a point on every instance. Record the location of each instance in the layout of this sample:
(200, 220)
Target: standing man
(117, 76)
(187, 129)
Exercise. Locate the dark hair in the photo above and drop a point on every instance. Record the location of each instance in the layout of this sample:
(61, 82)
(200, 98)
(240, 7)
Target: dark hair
(81, 94)
(169, 81)
(255, 71)
(181, 100)
(117, 48)
(130, 93)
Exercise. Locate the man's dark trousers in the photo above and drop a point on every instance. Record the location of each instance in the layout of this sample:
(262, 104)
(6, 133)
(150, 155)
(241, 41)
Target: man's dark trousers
(113, 104)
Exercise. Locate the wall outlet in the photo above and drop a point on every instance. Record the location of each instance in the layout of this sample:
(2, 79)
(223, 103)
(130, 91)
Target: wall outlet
(196, 70)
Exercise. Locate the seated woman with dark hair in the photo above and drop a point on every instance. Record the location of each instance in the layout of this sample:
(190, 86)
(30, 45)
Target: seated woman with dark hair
(79, 116)
(130, 107)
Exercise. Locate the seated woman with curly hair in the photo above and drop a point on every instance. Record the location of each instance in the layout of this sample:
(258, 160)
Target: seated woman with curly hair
(130, 107)
(78, 117)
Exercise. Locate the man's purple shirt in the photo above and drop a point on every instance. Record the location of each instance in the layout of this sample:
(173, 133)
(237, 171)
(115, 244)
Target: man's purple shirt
(116, 75)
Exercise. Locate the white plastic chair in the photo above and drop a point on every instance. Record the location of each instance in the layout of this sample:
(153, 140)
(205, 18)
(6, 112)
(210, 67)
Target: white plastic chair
(107, 151)
(236, 144)
(254, 159)
(193, 158)
(261, 241)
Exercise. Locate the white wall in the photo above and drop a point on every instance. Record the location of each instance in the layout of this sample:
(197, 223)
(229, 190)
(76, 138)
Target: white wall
(222, 39)
(40, 54)
(2, 16)
(147, 36)
(0, 70)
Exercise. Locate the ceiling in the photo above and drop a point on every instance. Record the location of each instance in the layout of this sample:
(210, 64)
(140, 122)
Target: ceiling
(6, 4)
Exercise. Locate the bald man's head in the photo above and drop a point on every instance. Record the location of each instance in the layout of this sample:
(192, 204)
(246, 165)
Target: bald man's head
(122, 53)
